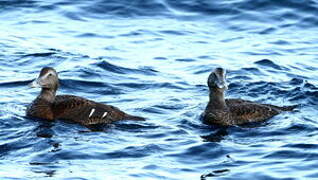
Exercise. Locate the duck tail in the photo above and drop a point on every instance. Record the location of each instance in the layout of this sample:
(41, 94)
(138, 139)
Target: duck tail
(288, 108)
(134, 118)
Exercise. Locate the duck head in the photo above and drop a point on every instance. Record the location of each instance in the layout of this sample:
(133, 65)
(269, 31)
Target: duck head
(48, 79)
(216, 80)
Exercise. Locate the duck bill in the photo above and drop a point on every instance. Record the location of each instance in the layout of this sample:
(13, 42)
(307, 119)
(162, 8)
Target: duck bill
(35, 84)
(221, 84)
(220, 78)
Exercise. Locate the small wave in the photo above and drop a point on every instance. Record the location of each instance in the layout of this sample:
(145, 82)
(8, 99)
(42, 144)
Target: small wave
(39, 54)
(296, 81)
(125, 8)
(268, 63)
(200, 153)
(215, 173)
(135, 152)
(290, 154)
(14, 84)
(122, 70)
(268, 31)
(90, 87)
(93, 35)
(17, 4)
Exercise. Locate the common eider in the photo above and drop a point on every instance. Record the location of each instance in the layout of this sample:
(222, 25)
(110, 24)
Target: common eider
(227, 112)
(50, 106)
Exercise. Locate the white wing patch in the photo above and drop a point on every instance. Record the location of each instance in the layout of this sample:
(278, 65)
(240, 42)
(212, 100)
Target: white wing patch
(104, 115)
(91, 113)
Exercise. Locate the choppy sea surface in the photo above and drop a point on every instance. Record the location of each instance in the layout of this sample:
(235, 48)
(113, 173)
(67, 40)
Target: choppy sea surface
(152, 58)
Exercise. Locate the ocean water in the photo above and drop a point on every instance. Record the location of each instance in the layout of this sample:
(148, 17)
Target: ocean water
(152, 58)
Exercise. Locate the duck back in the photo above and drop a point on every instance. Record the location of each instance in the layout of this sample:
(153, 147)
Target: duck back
(87, 112)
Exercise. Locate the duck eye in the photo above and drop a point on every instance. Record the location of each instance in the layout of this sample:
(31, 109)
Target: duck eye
(50, 74)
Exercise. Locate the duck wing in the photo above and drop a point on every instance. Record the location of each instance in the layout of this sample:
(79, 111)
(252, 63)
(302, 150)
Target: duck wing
(234, 102)
(250, 112)
(85, 111)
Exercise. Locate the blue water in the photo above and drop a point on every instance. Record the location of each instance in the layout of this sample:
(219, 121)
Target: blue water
(152, 58)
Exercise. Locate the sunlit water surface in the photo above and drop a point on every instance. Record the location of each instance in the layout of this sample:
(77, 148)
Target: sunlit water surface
(152, 59)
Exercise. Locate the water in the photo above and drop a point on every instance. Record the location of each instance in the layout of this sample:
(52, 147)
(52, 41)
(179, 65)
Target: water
(152, 58)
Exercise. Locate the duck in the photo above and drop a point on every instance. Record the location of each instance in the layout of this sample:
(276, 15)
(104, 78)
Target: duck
(49, 106)
(229, 112)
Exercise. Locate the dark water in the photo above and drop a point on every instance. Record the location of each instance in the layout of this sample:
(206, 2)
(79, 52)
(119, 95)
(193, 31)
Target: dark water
(152, 58)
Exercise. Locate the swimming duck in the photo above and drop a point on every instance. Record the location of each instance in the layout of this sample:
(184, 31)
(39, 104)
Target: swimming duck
(234, 111)
(50, 106)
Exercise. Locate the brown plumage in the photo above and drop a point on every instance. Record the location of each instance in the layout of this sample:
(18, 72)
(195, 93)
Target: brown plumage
(234, 111)
(77, 109)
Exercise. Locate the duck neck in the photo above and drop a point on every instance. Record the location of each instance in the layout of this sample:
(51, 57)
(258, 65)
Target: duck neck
(217, 100)
(47, 95)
